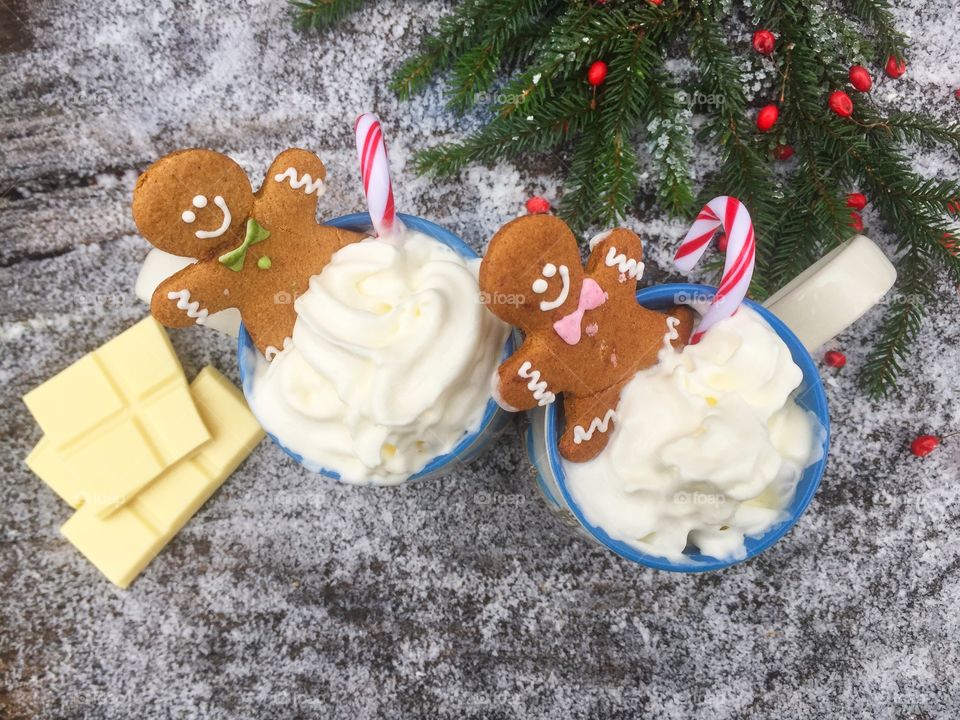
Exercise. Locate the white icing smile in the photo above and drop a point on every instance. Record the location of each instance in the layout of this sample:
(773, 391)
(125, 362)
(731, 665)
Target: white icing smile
(540, 286)
(200, 201)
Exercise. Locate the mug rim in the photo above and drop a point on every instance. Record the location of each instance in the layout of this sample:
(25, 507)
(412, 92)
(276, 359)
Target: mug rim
(360, 221)
(698, 562)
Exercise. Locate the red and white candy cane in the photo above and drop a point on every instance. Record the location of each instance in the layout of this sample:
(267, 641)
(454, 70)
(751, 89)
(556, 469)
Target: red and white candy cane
(375, 172)
(729, 213)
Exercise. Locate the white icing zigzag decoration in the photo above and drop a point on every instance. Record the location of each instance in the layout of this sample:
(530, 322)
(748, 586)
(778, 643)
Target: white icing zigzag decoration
(304, 181)
(579, 434)
(536, 386)
(193, 308)
(671, 334)
(631, 267)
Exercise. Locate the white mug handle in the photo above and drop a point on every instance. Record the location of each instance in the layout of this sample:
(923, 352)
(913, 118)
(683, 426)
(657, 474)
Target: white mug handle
(834, 292)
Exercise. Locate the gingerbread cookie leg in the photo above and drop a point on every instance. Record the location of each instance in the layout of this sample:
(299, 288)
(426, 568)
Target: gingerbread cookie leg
(589, 422)
(273, 324)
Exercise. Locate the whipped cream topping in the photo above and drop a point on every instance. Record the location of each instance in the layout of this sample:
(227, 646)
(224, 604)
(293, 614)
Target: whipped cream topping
(388, 364)
(708, 446)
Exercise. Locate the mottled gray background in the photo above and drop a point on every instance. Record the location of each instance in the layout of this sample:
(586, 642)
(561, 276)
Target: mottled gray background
(287, 596)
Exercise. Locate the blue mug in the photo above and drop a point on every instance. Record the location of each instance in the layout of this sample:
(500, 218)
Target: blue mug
(471, 444)
(545, 427)
(811, 309)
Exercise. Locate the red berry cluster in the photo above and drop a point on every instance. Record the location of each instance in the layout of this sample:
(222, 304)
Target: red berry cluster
(857, 202)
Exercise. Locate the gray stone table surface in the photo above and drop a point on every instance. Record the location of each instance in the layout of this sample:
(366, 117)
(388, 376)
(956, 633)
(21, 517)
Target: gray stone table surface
(288, 596)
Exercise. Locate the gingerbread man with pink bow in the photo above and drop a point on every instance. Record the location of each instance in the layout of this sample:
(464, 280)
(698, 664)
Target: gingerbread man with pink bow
(585, 334)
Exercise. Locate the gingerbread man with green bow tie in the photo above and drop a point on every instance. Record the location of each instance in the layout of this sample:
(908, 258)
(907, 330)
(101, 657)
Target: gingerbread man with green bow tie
(255, 251)
(585, 334)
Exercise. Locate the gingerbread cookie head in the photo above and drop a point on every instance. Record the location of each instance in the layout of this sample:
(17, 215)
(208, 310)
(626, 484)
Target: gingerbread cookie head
(585, 333)
(192, 202)
(531, 274)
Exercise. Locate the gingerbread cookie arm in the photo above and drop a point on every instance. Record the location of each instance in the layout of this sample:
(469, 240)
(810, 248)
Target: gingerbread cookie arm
(189, 296)
(521, 380)
(293, 184)
(616, 261)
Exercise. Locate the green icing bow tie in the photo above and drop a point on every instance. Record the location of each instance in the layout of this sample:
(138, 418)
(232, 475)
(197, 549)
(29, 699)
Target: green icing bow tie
(255, 233)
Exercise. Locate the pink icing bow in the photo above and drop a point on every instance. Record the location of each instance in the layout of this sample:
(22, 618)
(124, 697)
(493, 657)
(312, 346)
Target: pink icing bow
(591, 296)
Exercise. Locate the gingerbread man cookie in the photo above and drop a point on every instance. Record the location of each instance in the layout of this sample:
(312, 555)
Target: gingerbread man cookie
(256, 251)
(585, 333)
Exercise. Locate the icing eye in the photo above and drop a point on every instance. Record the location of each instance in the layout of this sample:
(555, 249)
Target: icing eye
(200, 201)
(549, 270)
(539, 286)
(188, 216)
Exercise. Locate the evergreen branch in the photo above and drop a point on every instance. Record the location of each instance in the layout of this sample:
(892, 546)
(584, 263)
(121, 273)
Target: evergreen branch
(549, 123)
(564, 54)
(743, 172)
(670, 132)
(621, 103)
(877, 16)
(914, 293)
(319, 14)
(541, 50)
(473, 71)
(455, 34)
(923, 130)
(581, 204)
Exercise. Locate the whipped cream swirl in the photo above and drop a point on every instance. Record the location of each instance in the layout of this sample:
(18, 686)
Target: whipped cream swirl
(388, 364)
(708, 446)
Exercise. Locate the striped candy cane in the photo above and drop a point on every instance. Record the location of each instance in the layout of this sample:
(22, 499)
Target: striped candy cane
(731, 214)
(375, 172)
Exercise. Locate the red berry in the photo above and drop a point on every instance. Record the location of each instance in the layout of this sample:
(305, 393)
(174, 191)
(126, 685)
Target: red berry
(953, 206)
(924, 445)
(860, 78)
(856, 221)
(956, 93)
(597, 73)
(538, 205)
(656, 2)
(857, 201)
(949, 243)
(722, 242)
(764, 42)
(841, 103)
(767, 117)
(894, 67)
(783, 152)
(835, 358)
